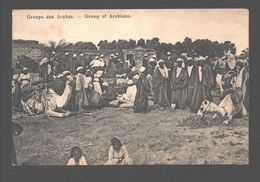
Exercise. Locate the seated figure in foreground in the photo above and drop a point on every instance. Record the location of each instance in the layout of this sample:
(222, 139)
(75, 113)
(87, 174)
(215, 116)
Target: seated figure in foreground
(76, 157)
(118, 154)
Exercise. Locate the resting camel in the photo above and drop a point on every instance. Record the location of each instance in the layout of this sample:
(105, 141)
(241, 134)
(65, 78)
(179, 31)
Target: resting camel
(48, 101)
(230, 105)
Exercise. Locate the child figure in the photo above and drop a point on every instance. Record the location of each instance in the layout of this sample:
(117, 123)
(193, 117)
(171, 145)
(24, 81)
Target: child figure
(118, 154)
(76, 157)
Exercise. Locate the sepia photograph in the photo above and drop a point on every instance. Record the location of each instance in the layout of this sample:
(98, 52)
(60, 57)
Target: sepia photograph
(130, 87)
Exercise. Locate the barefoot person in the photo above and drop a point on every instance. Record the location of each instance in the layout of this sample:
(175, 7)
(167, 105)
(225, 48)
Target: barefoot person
(76, 157)
(118, 154)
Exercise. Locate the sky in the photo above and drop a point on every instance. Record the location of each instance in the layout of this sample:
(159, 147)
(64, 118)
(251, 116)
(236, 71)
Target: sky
(169, 25)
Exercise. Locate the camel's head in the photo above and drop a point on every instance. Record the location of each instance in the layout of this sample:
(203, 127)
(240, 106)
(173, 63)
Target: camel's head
(70, 80)
(203, 108)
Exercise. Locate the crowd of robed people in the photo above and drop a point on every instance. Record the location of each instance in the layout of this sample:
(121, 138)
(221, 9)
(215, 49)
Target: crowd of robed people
(188, 80)
(169, 83)
(175, 83)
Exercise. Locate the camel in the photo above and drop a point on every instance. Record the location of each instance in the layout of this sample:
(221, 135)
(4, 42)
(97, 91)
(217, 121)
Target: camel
(230, 105)
(48, 101)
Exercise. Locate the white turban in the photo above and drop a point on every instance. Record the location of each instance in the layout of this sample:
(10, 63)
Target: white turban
(134, 69)
(74, 55)
(179, 59)
(79, 68)
(196, 59)
(130, 82)
(202, 58)
(105, 84)
(161, 61)
(96, 80)
(15, 77)
(99, 73)
(65, 72)
(184, 54)
(44, 60)
(141, 70)
(168, 53)
(152, 59)
(136, 77)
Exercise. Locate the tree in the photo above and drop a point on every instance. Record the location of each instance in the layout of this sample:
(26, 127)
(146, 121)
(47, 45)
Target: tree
(141, 43)
(132, 43)
(154, 43)
(187, 45)
(244, 54)
(120, 44)
(113, 45)
(52, 44)
(229, 46)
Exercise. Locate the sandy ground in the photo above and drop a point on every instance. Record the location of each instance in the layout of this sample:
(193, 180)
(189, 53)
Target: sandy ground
(158, 137)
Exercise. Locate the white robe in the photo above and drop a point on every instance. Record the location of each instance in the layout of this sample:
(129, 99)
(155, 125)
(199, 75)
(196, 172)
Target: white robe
(25, 79)
(239, 79)
(114, 157)
(97, 87)
(82, 161)
(200, 73)
(130, 93)
(87, 80)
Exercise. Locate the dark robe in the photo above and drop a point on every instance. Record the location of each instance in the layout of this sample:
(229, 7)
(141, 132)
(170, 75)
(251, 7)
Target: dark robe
(16, 101)
(108, 96)
(72, 64)
(160, 88)
(145, 63)
(87, 62)
(18, 69)
(202, 88)
(65, 63)
(129, 72)
(112, 68)
(191, 81)
(81, 62)
(179, 88)
(94, 98)
(72, 106)
(120, 68)
(13, 153)
(43, 72)
(57, 68)
(143, 90)
(16, 130)
(169, 62)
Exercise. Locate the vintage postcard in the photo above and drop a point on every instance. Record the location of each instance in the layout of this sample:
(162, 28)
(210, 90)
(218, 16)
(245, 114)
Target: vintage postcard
(130, 87)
